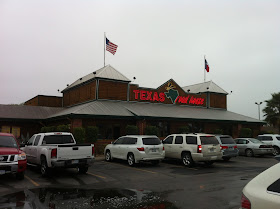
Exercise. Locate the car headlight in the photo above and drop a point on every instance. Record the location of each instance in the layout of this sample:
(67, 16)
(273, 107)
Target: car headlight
(22, 156)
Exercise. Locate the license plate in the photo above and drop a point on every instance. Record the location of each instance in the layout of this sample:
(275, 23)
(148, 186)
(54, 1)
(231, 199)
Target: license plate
(2, 172)
(230, 148)
(153, 149)
(75, 161)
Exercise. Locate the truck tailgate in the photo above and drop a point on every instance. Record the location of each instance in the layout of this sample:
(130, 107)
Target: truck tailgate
(74, 152)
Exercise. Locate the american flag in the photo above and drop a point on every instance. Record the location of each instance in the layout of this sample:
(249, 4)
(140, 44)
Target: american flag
(111, 47)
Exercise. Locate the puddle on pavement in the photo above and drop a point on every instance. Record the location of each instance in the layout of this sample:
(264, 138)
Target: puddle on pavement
(55, 198)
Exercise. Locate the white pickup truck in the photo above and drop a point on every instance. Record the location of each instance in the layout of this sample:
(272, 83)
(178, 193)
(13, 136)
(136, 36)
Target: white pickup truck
(58, 150)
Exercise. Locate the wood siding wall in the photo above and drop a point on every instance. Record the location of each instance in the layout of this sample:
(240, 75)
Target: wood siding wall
(112, 90)
(80, 94)
(218, 101)
(48, 101)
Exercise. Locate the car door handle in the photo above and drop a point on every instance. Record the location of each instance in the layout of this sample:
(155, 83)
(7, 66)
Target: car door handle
(180, 147)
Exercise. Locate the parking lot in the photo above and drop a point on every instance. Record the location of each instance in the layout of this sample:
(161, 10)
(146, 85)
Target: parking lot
(216, 186)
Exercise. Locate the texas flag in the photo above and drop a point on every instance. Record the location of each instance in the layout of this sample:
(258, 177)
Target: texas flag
(206, 66)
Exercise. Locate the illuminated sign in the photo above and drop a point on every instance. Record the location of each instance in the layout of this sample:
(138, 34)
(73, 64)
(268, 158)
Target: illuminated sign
(171, 94)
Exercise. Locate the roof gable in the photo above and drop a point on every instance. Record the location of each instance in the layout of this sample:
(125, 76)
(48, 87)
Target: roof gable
(208, 86)
(107, 72)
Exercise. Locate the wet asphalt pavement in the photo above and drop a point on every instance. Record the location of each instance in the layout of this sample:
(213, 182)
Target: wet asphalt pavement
(116, 185)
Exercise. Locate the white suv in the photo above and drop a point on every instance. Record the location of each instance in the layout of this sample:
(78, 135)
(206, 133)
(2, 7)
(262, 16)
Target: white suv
(271, 139)
(191, 148)
(135, 148)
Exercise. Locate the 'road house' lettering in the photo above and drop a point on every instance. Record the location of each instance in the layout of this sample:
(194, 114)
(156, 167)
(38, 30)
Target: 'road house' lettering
(193, 100)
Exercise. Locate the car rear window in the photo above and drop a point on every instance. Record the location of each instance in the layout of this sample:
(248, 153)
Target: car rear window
(8, 141)
(208, 140)
(227, 140)
(58, 139)
(278, 138)
(275, 187)
(151, 141)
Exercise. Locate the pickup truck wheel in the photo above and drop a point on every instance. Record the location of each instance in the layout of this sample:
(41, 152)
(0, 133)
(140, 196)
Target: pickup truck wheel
(20, 176)
(130, 159)
(108, 156)
(83, 169)
(276, 151)
(44, 167)
(187, 160)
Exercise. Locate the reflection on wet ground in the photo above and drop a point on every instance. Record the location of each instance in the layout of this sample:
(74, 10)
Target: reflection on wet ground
(54, 198)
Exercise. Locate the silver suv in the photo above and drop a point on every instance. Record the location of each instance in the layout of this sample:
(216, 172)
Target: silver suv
(228, 146)
(191, 148)
(136, 148)
(271, 139)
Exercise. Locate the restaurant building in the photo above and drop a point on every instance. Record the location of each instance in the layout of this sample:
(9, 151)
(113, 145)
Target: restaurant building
(109, 100)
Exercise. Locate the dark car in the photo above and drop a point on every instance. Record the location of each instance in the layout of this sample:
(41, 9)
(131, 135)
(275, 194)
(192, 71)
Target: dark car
(228, 146)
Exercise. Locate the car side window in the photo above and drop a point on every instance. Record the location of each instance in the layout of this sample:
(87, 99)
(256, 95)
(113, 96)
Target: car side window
(168, 140)
(243, 141)
(36, 141)
(119, 141)
(191, 139)
(267, 138)
(129, 140)
(30, 141)
(178, 140)
(239, 141)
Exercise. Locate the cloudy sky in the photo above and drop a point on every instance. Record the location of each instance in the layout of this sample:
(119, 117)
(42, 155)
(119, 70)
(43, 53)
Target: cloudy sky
(45, 45)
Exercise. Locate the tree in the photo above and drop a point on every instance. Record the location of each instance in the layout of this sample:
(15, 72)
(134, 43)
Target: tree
(272, 110)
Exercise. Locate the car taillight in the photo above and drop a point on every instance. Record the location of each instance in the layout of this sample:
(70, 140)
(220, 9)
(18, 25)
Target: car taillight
(54, 153)
(163, 148)
(235, 147)
(245, 203)
(141, 149)
(92, 150)
(199, 148)
(224, 147)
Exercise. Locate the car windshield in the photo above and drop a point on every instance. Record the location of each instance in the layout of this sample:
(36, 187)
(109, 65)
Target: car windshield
(227, 140)
(58, 139)
(8, 141)
(256, 141)
(151, 141)
(208, 140)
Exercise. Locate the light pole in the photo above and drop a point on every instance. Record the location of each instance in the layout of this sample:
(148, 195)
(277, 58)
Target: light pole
(259, 104)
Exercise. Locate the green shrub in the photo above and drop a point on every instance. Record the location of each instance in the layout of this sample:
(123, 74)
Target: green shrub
(47, 129)
(218, 131)
(92, 133)
(79, 134)
(151, 130)
(131, 130)
(184, 130)
(63, 128)
(245, 132)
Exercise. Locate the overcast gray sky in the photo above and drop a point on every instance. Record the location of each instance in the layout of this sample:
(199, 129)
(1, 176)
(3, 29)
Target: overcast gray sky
(45, 45)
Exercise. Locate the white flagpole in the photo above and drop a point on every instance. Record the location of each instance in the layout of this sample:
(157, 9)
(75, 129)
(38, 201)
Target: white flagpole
(104, 46)
(204, 71)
